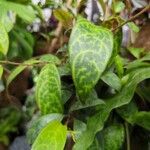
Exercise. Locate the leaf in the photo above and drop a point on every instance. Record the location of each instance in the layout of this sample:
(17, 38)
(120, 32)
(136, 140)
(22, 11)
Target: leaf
(91, 101)
(112, 80)
(19, 69)
(114, 137)
(1, 71)
(119, 6)
(53, 136)
(37, 125)
(131, 114)
(50, 58)
(63, 16)
(96, 122)
(24, 12)
(48, 90)
(136, 52)
(4, 40)
(6, 19)
(88, 59)
(119, 65)
(133, 27)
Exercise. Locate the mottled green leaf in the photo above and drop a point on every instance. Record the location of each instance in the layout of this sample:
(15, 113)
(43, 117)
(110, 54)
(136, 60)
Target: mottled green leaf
(48, 90)
(96, 122)
(136, 52)
(114, 137)
(50, 58)
(90, 48)
(53, 136)
(37, 125)
(4, 41)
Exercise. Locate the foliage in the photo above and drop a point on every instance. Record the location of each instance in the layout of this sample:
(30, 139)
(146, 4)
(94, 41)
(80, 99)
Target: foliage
(89, 90)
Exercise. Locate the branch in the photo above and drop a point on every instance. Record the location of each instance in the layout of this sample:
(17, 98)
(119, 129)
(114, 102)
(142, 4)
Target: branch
(6, 62)
(132, 18)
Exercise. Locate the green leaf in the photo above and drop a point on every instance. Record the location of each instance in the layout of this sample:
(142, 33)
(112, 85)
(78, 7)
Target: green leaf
(114, 137)
(63, 16)
(6, 20)
(136, 52)
(4, 40)
(119, 6)
(1, 71)
(19, 69)
(48, 90)
(90, 48)
(91, 101)
(50, 58)
(24, 12)
(96, 122)
(119, 65)
(131, 114)
(133, 27)
(112, 80)
(37, 125)
(53, 136)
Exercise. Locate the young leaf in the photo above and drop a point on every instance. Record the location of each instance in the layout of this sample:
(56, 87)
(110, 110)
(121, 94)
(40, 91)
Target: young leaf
(114, 137)
(4, 41)
(48, 90)
(37, 125)
(53, 136)
(90, 48)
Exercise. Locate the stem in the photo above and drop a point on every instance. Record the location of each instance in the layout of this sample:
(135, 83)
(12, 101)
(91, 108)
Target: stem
(127, 136)
(6, 62)
(132, 18)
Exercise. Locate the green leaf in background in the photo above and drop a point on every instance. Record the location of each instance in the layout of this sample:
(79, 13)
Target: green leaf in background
(1, 71)
(53, 137)
(64, 17)
(7, 19)
(114, 137)
(24, 12)
(119, 6)
(48, 90)
(19, 69)
(37, 125)
(4, 40)
(96, 123)
(112, 80)
(90, 48)
(136, 52)
(131, 114)
(133, 27)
